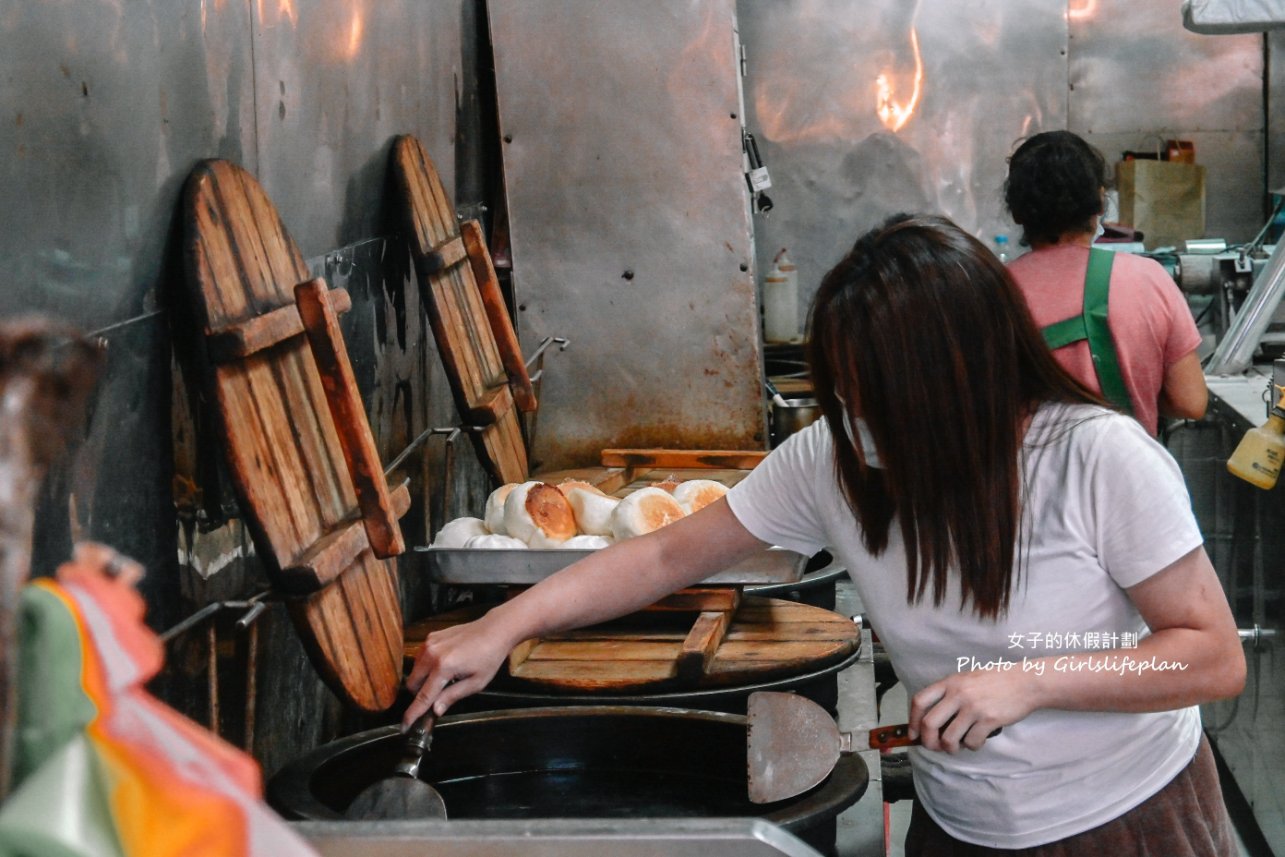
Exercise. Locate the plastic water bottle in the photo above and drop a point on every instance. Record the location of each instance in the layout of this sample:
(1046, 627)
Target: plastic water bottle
(1001, 248)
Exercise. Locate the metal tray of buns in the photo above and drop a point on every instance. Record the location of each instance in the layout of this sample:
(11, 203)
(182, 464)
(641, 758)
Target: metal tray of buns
(476, 566)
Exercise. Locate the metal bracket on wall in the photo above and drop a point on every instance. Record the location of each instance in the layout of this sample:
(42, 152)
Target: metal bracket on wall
(254, 606)
(452, 434)
(537, 374)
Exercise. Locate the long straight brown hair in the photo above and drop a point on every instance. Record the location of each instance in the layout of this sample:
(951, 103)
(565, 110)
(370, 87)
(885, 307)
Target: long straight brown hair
(920, 331)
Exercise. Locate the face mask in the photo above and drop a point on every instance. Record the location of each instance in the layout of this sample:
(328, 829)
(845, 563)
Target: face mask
(1101, 230)
(862, 438)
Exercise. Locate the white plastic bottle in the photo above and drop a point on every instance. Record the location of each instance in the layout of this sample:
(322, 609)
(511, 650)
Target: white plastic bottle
(781, 301)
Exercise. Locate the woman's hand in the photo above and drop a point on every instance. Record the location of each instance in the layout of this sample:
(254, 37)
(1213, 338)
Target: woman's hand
(455, 662)
(962, 710)
(1193, 655)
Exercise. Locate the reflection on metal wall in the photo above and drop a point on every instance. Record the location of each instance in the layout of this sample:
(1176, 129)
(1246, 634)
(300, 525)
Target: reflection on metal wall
(863, 110)
(630, 227)
(900, 106)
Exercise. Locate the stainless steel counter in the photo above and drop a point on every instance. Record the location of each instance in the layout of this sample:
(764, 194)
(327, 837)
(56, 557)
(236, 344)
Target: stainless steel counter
(733, 837)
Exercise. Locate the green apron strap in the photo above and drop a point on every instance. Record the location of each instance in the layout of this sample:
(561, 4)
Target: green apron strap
(1097, 288)
(1091, 324)
(1065, 332)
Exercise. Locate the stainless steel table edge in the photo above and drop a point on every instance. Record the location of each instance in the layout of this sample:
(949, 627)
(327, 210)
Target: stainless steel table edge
(553, 837)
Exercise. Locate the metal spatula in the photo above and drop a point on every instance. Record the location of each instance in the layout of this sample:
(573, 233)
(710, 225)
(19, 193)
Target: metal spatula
(793, 744)
(403, 794)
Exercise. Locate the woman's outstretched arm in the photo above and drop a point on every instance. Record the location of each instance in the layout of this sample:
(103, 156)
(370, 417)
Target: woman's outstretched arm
(608, 583)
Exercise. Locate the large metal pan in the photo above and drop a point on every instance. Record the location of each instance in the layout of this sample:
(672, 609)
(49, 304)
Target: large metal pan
(570, 762)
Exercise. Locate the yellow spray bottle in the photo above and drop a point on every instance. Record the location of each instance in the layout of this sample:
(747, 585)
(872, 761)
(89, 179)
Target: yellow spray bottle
(1261, 451)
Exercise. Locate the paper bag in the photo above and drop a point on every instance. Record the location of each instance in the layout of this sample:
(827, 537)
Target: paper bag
(1163, 200)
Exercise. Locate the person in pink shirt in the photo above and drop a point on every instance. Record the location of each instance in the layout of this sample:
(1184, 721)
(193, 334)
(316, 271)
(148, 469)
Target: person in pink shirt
(1116, 321)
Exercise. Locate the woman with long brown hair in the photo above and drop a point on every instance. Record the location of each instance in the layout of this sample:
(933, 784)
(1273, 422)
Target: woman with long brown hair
(1028, 556)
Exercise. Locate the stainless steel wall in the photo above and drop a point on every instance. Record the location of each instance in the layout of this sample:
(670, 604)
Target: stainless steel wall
(105, 106)
(629, 221)
(866, 109)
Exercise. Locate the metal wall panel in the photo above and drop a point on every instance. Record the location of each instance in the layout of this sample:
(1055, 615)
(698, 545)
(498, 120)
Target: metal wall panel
(106, 107)
(630, 227)
(1138, 77)
(336, 80)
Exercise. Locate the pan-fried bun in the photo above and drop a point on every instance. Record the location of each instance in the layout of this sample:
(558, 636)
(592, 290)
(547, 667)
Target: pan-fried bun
(587, 542)
(568, 484)
(535, 506)
(495, 541)
(695, 494)
(644, 511)
(592, 509)
(494, 514)
(454, 534)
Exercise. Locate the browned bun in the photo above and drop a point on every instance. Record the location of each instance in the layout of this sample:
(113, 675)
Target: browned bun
(550, 511)
(567, 485)
(644, 511)
(695, 494)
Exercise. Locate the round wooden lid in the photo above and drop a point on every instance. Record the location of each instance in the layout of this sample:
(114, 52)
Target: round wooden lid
(660, 650)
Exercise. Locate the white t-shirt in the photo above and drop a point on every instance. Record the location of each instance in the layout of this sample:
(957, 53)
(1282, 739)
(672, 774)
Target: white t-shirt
(1107, 508)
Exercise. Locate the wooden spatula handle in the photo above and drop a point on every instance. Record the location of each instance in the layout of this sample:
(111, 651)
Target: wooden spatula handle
(898, 735)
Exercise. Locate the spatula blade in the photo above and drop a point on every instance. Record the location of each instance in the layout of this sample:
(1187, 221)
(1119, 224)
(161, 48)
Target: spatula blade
(397, 797)
(792, 745)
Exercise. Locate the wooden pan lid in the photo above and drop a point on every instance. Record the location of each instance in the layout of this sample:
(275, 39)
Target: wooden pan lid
(303, 477)
(466, 310)
(676, 647)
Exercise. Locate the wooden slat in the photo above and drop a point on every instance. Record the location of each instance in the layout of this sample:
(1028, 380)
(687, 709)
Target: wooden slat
(776, 611)
(492, 405)
(506, 338)
(701, 644)
(792, 631)
(598, 675)
(700, 600)
(736, 656)
(337, 550)
(680, 458)
(243, 338)
(603, 650)
(521, 652)
(349, 413)
(446, 254)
